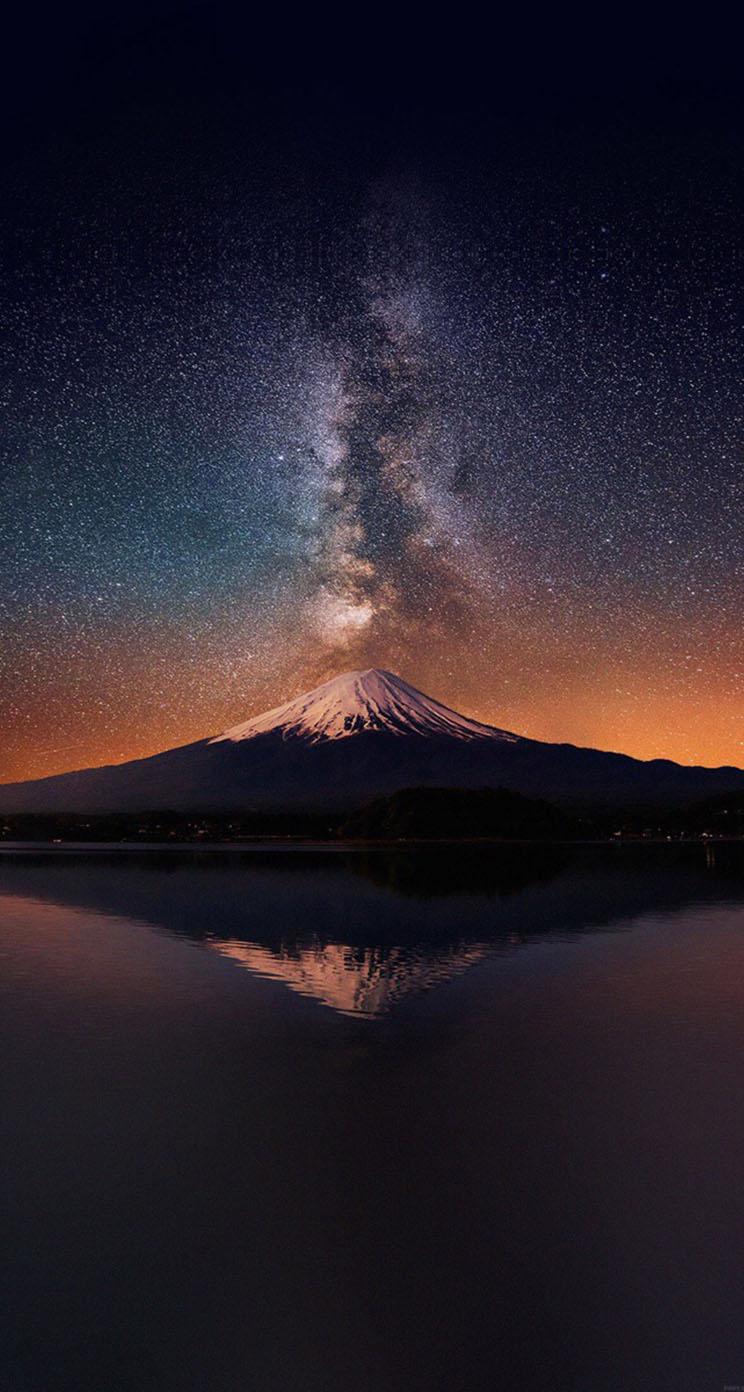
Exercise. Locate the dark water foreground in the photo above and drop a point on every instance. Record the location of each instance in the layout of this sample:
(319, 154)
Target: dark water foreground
(434, 1121)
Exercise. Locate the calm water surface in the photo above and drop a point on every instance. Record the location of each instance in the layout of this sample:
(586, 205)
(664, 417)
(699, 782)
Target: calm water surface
(373, 1122)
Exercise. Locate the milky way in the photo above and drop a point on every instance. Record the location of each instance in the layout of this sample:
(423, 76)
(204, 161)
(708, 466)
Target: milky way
(385, 481)
(280, 400)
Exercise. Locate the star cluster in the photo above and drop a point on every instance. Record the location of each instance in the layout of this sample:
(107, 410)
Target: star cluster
(281, 398)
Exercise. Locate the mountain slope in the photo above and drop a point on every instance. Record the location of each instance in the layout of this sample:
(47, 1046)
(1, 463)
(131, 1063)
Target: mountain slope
(360, 736)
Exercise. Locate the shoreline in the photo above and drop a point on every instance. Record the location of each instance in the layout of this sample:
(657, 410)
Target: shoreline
(287, 844)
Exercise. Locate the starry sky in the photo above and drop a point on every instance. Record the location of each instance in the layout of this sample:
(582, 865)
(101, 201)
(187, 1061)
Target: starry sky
(323, 352)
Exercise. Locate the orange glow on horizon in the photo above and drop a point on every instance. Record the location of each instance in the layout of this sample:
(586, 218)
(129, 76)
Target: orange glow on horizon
(647, 713)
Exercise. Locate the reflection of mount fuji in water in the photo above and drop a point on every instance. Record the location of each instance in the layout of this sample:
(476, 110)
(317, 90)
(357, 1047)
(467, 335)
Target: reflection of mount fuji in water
(365, 933)
(365, 981)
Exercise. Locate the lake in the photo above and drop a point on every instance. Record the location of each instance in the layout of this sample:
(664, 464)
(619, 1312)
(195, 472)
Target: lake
(435, 1120)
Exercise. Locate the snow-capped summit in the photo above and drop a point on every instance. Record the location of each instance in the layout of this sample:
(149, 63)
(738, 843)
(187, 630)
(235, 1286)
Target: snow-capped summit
(366, 700)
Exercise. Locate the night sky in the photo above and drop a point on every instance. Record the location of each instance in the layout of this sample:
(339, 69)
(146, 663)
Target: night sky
(334, 350)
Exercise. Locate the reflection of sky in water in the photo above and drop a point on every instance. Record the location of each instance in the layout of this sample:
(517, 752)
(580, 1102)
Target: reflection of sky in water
(216, 1181)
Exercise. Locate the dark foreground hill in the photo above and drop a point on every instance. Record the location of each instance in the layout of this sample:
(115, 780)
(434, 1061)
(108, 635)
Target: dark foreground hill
(412, 814)
(458, 814)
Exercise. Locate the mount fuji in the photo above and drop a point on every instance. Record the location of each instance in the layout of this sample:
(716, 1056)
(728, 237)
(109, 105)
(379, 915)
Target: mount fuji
(360, 736)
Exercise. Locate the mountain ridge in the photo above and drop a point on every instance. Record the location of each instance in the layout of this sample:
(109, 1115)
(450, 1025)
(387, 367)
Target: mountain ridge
(362, 735)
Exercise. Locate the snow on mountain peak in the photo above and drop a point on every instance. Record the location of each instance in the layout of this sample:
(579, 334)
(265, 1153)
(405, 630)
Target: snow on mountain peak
(366, 700)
